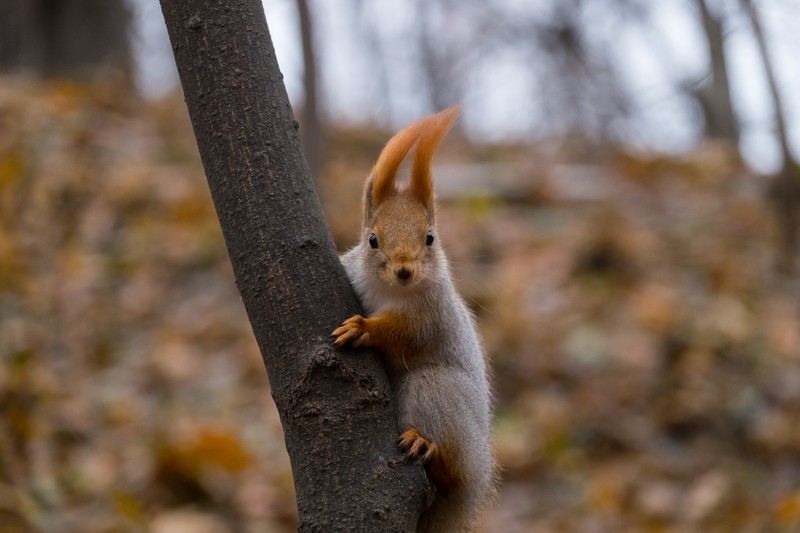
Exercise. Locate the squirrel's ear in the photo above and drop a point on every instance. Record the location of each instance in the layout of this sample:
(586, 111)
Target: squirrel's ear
(369, 202)
(381, 182)
(436, 128)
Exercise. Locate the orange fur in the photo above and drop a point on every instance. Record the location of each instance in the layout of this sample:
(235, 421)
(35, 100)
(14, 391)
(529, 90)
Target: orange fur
(389, 332)
(439, 467)
(426, 133)
(392, 333)
(424, 330)
(435, 130)
(391, 158)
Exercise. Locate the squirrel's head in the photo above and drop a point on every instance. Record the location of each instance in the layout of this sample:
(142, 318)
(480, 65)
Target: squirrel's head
(399, 237)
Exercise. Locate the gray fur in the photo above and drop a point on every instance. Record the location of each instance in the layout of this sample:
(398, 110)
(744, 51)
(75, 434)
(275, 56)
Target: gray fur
(445, 394)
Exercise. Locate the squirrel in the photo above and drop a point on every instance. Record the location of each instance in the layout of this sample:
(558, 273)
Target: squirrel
(433, 355)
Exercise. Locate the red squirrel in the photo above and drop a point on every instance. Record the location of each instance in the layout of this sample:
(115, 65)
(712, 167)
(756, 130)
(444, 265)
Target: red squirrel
(416, 318)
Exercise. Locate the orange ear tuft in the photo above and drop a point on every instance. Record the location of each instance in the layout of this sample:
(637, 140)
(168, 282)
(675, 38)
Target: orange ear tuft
(392, 155)
(436, 127)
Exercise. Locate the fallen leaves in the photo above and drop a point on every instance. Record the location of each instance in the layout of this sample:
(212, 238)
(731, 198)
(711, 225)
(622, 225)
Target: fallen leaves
(646, 353)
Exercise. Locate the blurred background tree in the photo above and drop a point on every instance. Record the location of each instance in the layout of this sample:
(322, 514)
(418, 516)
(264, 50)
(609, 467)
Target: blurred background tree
(653, 76)
(66, 38)
(622, 185)
(632, 73)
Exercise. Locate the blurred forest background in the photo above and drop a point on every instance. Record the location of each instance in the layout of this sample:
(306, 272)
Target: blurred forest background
(620, 204)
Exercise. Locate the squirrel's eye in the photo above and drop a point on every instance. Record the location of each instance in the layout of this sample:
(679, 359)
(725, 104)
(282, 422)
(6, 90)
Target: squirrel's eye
(373, 240)
(429, 238)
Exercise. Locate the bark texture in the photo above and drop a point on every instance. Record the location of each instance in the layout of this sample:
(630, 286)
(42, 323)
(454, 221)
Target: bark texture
(335, 405)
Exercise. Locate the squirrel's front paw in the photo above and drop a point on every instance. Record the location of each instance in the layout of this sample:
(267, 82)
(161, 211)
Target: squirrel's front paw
(353, 330)
(415, 445)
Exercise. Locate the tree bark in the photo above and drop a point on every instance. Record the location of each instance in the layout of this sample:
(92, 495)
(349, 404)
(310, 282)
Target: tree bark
(335, 405)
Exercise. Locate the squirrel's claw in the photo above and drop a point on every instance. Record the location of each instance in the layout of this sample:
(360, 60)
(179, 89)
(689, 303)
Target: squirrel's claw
(428, 453)
(352, 330)
(416, 446)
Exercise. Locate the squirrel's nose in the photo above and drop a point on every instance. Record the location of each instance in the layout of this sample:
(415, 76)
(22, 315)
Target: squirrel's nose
(403, 273)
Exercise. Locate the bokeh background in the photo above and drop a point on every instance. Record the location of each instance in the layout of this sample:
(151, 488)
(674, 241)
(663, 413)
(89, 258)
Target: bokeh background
(620, 202)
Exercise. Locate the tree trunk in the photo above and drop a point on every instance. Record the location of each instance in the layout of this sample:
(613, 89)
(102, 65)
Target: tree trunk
(715, 100)
(312, 130)
(785, 189)
(335, 405)
(73, 38)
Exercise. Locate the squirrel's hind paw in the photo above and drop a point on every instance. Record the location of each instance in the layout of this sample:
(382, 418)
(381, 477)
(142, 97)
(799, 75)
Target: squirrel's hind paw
(417, 446)
(430, 454)
(352, 330)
